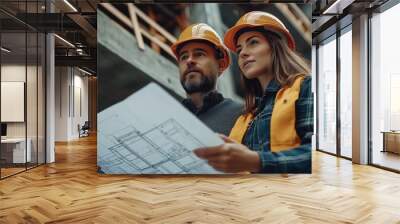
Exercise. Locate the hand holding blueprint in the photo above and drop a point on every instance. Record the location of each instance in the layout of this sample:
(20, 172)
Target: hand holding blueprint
(150, 132)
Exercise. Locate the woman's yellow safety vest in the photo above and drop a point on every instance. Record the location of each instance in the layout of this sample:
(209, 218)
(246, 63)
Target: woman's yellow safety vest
(283, 120)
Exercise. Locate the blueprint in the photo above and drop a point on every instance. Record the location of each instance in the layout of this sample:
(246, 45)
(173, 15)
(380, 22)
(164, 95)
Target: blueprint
(151, 133)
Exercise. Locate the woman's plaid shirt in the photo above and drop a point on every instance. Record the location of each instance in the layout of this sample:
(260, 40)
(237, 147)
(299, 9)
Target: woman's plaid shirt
(257, 137)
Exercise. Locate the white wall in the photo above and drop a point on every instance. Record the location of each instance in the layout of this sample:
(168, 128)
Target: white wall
(79, 110)
(16, 73)
(12, 101)
(71, 94)
(61, 103)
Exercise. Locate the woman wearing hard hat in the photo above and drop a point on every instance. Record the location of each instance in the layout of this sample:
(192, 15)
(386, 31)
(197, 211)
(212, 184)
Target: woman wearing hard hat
(274, 133)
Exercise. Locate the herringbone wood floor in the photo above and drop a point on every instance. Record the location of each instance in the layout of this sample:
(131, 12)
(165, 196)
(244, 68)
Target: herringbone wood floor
(70, 191)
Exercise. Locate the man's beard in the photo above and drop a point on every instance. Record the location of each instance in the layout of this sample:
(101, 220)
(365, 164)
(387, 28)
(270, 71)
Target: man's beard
(205, 85)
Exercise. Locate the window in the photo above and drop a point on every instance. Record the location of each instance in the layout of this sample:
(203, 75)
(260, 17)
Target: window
(346, 93)
(314, 84)
(385, 87)
(327, 96)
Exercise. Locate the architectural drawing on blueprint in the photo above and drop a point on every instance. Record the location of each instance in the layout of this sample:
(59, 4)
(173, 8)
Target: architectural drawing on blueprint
(132, 141)
(160, 150)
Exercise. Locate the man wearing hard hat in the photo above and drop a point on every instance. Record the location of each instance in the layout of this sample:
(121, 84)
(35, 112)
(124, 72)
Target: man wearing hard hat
(202, 58)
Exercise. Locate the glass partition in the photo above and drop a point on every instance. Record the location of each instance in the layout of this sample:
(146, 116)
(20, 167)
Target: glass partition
(14, 152)
(22, 67)
(41, 107)
(31, 100)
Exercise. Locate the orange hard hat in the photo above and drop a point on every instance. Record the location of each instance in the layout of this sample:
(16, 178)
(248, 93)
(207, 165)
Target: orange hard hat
(258, 19)
(201, 31)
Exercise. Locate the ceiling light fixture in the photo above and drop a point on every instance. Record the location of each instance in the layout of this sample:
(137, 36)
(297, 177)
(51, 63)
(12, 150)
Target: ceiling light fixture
(64, 40)
(70, 5)
(5, 50)
(79, 51)
(86, 72)
(338, 6)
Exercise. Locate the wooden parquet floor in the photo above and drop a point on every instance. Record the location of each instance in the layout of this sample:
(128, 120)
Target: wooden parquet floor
(70, 191)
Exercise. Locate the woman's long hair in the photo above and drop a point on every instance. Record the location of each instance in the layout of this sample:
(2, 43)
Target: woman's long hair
(286, 66)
